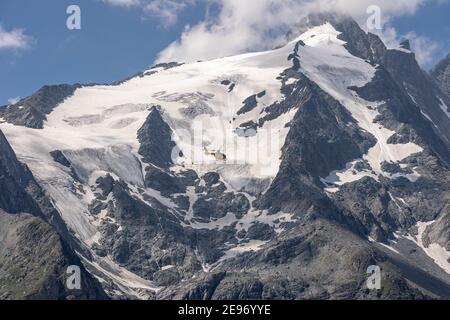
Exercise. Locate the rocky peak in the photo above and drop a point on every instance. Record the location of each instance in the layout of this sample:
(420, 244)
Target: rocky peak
(441, 73)
(155, 137)
(405, 45)
(13, 182)
(32, 111)
(367, 46)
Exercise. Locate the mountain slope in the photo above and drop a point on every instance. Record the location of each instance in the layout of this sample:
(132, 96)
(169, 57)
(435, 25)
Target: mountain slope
(441, 73)
(32, 111)
(33, 256)
(34, 262)
(281, 174)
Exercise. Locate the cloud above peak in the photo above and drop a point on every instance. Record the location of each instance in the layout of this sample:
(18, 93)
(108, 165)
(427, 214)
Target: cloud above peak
(242, 26)
(239, 26)
(14, 39)
(166, 11)
(123, 3)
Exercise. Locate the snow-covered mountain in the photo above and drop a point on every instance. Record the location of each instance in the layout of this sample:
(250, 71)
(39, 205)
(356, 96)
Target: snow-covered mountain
(278, 174)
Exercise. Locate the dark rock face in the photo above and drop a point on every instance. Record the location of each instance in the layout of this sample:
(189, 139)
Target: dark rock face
(211, 178)
(249, 104)
(399, 112)
(59, 157)
(409, 94)
(405, 45)
(168, 65)
(201, 290)
(32, 111)
(21, 193)
(326, 129)
(441, 73)
(368, 195)
(425, 95)
(105, 184)
(438, 231)
(34, 262)
(228, 83)
(156, 140)
(157, 148)
(164, 182)
(152, 243)
(260, 231)
(367, 46)
(216, 203)
(323, 137)
(14, 180)
(286, 269)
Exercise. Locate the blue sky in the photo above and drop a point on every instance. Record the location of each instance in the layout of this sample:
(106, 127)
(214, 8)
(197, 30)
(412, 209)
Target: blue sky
(116, 41)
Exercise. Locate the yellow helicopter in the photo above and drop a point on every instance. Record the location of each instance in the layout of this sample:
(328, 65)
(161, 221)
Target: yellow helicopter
(216, 154)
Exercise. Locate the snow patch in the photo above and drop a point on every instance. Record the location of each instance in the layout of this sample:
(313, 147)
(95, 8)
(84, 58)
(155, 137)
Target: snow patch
(444, 108)
(436, 252)
(429, 119)
(127, 281)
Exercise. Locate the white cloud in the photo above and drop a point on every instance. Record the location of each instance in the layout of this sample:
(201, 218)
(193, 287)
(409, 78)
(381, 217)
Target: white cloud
(358, 8)
(14, 39)
(243, 26)
(123, 3)
(240, 26)
(165, 10)
(424, 48)
(13, 100)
